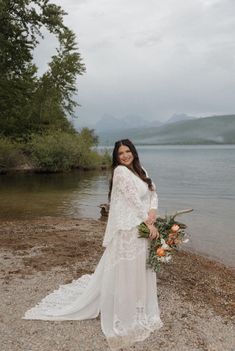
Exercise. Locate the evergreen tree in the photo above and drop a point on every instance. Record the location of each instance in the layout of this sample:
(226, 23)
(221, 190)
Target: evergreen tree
(28, 103)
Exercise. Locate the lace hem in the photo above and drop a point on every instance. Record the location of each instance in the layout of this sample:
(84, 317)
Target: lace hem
(139, 331)
(59, 299)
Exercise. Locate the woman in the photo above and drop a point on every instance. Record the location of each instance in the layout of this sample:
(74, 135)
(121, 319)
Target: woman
(121, 289)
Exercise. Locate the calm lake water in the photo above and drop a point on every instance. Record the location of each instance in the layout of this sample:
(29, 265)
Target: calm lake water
(199, 177)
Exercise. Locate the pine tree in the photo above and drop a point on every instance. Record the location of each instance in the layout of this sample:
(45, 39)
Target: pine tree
(29, 103)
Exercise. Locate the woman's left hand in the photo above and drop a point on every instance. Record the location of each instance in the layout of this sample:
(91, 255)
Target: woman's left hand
(154, 233)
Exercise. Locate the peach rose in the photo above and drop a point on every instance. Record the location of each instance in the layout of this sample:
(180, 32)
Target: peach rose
(175, 228)
(160, 252)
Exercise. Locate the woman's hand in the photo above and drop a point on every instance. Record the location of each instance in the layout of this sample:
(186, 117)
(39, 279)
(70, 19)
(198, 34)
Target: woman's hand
(154, 233)
(152, 216)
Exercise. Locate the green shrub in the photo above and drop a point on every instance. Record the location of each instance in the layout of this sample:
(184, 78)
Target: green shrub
(106, 158)
(10, 154)
(61, 151)
(54, 151)
(89, 159)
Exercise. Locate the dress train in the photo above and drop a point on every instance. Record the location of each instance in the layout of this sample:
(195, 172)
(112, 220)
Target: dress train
(121, 289)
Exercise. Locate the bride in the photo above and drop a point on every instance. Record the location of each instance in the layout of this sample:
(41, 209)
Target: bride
(122, 289)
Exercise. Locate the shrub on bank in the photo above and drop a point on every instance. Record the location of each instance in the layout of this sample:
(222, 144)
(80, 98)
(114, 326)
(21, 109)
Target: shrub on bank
(106, 158)
(11, 154)
(61, 151)
(52, 152)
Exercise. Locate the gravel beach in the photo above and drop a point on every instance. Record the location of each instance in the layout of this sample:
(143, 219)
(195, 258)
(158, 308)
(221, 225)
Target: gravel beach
(196, 295)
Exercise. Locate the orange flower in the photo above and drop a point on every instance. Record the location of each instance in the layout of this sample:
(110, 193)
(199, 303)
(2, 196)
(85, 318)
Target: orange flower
(170, 241)
(160, 252)
(175, 228)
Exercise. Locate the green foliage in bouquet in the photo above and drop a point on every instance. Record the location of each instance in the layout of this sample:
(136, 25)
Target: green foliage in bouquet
(171, 236)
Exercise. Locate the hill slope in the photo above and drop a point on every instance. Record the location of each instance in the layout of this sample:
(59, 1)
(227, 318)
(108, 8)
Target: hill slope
(208, 130)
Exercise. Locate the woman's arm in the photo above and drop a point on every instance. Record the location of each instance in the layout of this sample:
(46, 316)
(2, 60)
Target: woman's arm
(123, 183)
(152, 213)
(153, 204)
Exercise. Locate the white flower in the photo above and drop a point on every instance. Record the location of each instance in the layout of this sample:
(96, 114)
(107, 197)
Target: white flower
(165, 259)
(185, 240)
(164, 245)
(168, 258)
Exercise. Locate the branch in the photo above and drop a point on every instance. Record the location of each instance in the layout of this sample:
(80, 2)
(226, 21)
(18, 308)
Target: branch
(177, 213)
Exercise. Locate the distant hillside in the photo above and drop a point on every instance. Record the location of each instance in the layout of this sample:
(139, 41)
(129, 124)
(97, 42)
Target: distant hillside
(110, 123)
(179, 117)
(207, 130)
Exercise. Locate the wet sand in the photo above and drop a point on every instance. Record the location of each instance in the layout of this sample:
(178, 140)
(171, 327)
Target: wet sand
(196, 295)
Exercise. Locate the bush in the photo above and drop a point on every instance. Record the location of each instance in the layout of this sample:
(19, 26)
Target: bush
(61, 151)
(106, 158)
(10, 154)
(55, 151)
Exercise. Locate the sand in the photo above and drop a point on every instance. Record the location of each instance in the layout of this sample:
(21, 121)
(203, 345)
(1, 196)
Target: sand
(196, 295)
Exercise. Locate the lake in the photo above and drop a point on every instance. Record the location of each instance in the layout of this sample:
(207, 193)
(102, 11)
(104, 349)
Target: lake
(201, 177)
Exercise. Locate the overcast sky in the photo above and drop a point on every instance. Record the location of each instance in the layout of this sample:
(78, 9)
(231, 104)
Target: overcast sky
(152, 58)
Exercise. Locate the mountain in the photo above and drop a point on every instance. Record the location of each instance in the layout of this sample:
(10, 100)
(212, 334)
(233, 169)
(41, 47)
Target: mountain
(111, 123)
(179, 117)
(106, 123)
(206, 130)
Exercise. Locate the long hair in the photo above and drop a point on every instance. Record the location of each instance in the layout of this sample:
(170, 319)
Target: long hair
(135, 164)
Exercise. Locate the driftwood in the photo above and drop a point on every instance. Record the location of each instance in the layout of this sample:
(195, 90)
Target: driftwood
(177, 213)
(105, 211)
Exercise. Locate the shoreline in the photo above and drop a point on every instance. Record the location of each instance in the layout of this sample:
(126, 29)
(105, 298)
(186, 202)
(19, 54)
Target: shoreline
(196, 294)
(25, 169)
(209, 257)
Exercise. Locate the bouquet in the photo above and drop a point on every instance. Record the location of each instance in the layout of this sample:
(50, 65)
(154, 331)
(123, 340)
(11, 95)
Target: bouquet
(171, 236)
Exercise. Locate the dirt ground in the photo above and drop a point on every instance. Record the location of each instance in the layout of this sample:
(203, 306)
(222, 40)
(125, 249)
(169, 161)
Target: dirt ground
(196, 295)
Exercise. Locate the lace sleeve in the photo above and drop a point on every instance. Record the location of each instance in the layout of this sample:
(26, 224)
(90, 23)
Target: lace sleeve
(153, 198)
(123, 183)
(153, 195)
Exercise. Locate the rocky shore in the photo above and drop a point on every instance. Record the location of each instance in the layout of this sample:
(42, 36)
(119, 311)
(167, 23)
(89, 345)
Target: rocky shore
(196, 295)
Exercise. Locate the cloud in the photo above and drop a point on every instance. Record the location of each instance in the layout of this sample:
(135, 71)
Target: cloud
(153, 58)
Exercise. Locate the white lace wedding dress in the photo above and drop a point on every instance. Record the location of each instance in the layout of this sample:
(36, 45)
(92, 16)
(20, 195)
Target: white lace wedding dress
(121, 289)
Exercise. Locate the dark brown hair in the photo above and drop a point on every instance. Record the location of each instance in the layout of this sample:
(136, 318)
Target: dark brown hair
(136, 164)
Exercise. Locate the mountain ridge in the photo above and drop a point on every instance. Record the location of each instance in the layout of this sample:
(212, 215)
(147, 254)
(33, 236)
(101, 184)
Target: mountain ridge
(201, 130)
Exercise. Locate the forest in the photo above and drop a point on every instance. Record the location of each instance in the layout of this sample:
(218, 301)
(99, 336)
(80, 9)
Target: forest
(36, 111)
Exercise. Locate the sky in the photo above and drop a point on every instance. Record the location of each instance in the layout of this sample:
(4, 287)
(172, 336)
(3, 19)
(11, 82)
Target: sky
(151, 58)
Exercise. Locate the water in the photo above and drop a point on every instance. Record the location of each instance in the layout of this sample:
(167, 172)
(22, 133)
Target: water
(199, 177)
(202, 178)
(75, 194)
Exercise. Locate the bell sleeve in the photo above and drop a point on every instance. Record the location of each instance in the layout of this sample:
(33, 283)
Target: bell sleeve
(126, 209)
(153, 195)
(124, 184)
(153, 199)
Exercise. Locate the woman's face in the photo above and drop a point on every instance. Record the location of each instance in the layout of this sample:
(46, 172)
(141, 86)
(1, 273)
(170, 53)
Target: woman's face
(125, 155)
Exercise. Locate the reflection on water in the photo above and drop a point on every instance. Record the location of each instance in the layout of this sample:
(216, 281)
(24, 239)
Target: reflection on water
(76, 194)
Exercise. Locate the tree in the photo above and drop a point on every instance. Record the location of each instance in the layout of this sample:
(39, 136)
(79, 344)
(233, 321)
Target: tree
(29, 103)
(89, 137)
(57, 87)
